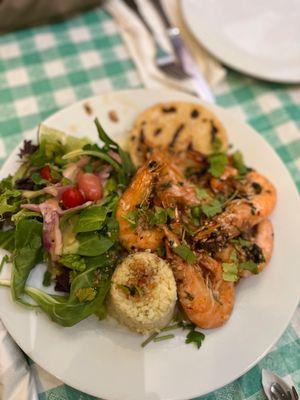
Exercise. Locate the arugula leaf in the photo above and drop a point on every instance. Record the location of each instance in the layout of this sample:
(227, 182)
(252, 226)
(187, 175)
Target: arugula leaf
(38, 180)
(238, 162)
(28, 252)
(68, 310)
(91, 219)
(250, 266)
(230, 272)
(112, 226)
(92, 244)
(185, 253)
(217, 164)
(212, 208)
(47, 278)
(195, 337)
(7, 240)
(10, 200)
(73, 261)
(5, 259)
(53, 144)
(24, 213)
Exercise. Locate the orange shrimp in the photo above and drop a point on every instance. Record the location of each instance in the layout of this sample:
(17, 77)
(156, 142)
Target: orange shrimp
(260, 251)
(258, 202)
(172, 187)
(137, 194)
(206, 298)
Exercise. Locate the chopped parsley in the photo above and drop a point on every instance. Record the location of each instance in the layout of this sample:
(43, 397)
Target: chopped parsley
(217, 164)
(250, 266)
(185, 253)
(238, 162)
(230, 272)
(212, 208)
(195, 337)
(217, 145)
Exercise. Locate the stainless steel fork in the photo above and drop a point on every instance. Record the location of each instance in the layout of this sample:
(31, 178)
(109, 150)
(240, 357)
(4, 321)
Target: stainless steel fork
(166, 62)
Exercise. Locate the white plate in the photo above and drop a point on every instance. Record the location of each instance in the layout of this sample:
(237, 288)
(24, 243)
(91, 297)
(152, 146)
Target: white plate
(105, 360)
(260, 38)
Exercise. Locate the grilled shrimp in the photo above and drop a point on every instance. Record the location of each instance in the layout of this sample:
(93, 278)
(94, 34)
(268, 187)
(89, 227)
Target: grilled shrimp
(136, 195)
(206, 298)
(258, 202)
(261, 238)
(173, 188)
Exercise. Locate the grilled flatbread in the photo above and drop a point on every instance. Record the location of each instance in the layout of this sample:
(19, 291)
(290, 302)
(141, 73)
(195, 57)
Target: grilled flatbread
(177, 126)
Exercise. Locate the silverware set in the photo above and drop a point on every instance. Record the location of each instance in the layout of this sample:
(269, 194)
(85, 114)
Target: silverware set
(180, 64)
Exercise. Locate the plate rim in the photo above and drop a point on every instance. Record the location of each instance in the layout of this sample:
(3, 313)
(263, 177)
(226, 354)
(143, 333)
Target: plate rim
(253, 131)
(227, 61)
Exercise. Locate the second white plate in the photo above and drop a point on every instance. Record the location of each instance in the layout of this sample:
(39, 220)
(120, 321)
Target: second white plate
(259, 38)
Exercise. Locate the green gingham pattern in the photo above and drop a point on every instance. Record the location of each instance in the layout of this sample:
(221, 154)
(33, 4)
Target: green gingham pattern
(46, 68)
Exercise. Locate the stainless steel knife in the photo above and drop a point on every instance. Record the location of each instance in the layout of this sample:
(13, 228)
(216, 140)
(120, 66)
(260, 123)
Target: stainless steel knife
(189, 64)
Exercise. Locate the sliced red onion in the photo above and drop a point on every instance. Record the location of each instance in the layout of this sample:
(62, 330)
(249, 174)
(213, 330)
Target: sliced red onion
(115, 156)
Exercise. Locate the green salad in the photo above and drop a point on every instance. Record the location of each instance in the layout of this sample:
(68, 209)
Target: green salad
(59, 209)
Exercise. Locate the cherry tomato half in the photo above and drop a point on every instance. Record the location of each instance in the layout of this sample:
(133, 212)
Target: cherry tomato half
(72, 198)
(90, 185)
(45, 173)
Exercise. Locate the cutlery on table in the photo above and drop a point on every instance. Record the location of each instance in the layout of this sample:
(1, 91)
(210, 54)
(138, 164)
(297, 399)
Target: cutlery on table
(276, 388)
(166, 62)
(186, 59)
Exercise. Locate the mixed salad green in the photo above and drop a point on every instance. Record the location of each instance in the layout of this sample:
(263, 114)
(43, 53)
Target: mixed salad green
(59, 209)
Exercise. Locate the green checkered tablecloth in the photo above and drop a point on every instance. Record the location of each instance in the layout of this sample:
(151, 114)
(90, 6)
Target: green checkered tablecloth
(46, 68)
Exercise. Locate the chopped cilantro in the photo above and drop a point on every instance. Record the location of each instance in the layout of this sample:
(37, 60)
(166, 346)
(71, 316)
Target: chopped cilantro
(212, 208)
(217, 164)
(250, 266)
(195, 337)
(230, 272)
(185, 253)
(238, 162)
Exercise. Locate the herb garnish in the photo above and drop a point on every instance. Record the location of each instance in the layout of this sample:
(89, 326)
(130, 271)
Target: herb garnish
(212, 208)
(217, 164)
(195, 337)
(185, 253)
(238, 162)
